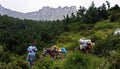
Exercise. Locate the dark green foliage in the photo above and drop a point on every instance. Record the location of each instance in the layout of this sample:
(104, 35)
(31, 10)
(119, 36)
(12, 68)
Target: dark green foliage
(16, 34)
(21, 64)
(74, 26)
(5, 57)
(91, 15)
(15, 65)
(115, 17)
(115, 8)
(66, 22)
(45, 64)
(65, 39)
(114, 59)
(103, 13)
(72, 18)
(103, 47)
(83, 61)
(115, 64)
(80, 13)
(108, 4)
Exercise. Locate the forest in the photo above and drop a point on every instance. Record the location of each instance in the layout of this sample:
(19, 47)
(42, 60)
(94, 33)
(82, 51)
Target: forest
(95, 23)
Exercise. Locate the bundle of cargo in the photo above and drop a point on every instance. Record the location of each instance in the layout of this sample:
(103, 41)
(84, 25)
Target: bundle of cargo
(117, 31)
(84, 42)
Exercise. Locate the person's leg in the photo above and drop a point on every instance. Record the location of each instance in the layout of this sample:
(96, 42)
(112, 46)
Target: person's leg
(31, 60)
(28, 57)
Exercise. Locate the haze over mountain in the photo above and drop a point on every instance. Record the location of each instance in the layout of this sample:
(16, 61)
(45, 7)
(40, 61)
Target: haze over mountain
(46, 13)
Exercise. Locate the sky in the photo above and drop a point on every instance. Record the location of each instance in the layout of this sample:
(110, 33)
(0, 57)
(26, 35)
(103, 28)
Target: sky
(35, 5)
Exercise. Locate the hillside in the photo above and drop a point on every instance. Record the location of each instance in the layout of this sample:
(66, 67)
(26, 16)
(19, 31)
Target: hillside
(97, 24)
(105, 54)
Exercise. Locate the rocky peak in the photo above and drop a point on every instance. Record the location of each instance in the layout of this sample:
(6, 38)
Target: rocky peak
(46, 13)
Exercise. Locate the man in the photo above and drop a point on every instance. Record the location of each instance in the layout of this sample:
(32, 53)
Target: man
(31, 53)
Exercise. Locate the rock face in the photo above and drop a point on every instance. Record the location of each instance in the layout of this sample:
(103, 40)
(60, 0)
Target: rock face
(46, 13)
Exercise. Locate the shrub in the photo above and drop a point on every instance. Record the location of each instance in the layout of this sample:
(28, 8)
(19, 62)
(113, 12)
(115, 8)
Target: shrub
(14, 65)
(5, 57)
(115, 17)
(104, 46)
(22, 64)
(74, 26)
(83, 61)
(64, 39)
(46, 63)
(114, 59)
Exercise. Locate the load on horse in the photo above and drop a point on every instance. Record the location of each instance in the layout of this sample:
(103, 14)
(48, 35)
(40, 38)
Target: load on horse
(117, 31)
(60, 50)
(86, 45)
(54, 51)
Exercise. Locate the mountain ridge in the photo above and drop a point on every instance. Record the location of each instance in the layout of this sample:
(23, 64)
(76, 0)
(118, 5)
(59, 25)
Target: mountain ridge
(46, 13)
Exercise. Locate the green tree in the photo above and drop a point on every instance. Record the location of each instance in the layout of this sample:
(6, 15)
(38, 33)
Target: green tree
(80, 13)
(115, 8)
(72, 18)
(66, 22)
(103, 13)
(91, 15)
(108, 4)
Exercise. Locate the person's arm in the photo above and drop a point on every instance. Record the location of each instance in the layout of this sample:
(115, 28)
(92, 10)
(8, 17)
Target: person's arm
(29, 50)
(34, 49)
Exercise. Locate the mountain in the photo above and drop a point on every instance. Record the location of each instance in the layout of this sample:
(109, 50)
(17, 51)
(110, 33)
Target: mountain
(46, 13)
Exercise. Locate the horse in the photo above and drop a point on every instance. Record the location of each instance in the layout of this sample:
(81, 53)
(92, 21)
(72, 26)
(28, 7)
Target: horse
(117, 31)
(88, 48)
(53, 53)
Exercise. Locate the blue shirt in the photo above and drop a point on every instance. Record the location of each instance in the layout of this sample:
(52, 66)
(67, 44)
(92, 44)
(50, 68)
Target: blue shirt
(32, 50)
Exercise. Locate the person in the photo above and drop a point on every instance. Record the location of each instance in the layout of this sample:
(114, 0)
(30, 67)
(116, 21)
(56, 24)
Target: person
(31, 53)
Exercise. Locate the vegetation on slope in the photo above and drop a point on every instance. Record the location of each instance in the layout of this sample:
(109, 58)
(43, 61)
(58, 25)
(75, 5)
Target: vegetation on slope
(97, 24)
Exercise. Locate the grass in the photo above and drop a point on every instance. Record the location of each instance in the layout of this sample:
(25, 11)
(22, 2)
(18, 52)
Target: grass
(79, 60)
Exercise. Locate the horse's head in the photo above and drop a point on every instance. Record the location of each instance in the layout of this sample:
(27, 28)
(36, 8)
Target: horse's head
(44, 52)
(92, 44)
(48, 51)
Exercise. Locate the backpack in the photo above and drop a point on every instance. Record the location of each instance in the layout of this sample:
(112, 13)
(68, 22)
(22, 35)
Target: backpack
(64, 50)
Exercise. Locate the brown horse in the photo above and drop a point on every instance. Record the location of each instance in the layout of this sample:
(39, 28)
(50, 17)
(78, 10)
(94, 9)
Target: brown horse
(53, 53)
(88, 48)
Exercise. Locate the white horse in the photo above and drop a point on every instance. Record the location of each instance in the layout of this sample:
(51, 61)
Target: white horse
(86, 45)
(117, 32)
